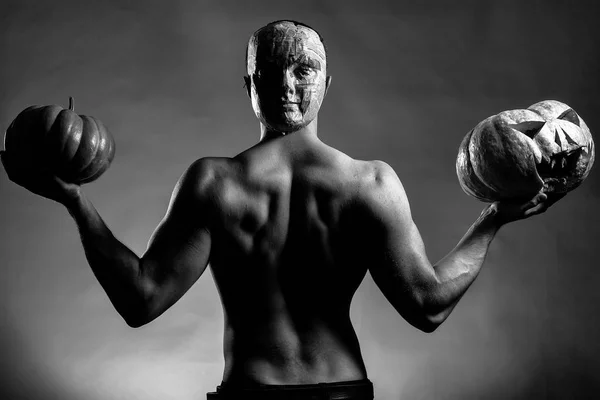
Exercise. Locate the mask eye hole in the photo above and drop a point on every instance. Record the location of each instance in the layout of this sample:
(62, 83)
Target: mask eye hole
(528, 128)
(571, 116)
(266, 71)
(303, 72)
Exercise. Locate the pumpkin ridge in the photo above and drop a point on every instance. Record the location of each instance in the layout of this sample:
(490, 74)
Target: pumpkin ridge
(8, 135)
(95, 160)
(463, 167)
(104, 165)
(68, 124)
(489, 191)
(110, 154)
(73, 139)
(53, 141)
(88, 145)
(493, 158)
(24, 128)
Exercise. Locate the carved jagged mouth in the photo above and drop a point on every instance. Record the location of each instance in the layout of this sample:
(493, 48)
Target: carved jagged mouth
(560, 165)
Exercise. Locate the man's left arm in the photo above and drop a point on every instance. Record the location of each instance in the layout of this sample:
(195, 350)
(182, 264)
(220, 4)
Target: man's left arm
(424, 293)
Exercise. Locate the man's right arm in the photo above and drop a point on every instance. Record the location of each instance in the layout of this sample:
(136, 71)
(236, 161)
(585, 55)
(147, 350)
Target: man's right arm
(425, 294)
(115, 266)
(140, 288)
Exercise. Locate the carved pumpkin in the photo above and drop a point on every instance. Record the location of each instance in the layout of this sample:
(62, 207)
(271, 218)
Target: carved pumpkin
(77, 148)
(515, 154)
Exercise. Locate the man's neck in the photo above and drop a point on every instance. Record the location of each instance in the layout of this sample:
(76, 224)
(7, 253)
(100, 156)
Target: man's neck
(267, 133)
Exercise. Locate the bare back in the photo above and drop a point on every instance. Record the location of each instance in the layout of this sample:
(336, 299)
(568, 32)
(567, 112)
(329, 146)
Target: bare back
(281, 263)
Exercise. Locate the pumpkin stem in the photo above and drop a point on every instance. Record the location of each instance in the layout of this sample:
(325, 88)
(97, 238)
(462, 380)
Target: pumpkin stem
(71, 105)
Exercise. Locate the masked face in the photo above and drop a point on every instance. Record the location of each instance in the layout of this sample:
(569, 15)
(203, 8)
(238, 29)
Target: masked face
(287, 75)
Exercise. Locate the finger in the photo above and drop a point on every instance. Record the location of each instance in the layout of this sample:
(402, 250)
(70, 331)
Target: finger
(541, 197)
(538, 209)
(491, 209)
(537, 205)
(537, 199)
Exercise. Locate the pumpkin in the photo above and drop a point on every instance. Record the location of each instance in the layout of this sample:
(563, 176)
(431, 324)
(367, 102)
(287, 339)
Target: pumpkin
(76, 148)
(516, 154)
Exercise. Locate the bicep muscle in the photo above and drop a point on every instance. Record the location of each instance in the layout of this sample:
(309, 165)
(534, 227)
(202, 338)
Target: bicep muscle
(179, 249)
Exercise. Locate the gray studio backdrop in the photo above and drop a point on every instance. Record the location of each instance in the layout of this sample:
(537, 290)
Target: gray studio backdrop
(408, 82)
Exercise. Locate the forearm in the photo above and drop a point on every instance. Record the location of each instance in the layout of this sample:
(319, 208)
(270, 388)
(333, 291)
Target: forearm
(459, 268)
(116, 267)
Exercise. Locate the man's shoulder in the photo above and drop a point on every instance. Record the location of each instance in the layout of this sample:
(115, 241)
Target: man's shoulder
(202, 175)
(379, 190)
(209, 167)
(376, 177)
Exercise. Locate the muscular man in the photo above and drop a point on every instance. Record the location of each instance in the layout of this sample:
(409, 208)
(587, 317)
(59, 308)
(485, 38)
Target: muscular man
(289, 228)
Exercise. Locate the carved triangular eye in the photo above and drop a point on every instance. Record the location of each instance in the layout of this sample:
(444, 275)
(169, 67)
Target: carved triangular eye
(529, 128)
(570, 115)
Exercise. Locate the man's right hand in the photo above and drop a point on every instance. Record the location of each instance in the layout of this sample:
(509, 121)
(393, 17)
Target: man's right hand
(506, 212)
(38, 180)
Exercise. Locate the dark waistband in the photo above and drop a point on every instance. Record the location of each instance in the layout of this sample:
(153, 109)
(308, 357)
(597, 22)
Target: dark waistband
(350, 390)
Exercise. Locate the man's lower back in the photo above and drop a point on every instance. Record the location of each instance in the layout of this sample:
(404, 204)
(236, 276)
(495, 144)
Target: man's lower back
(347, 390)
